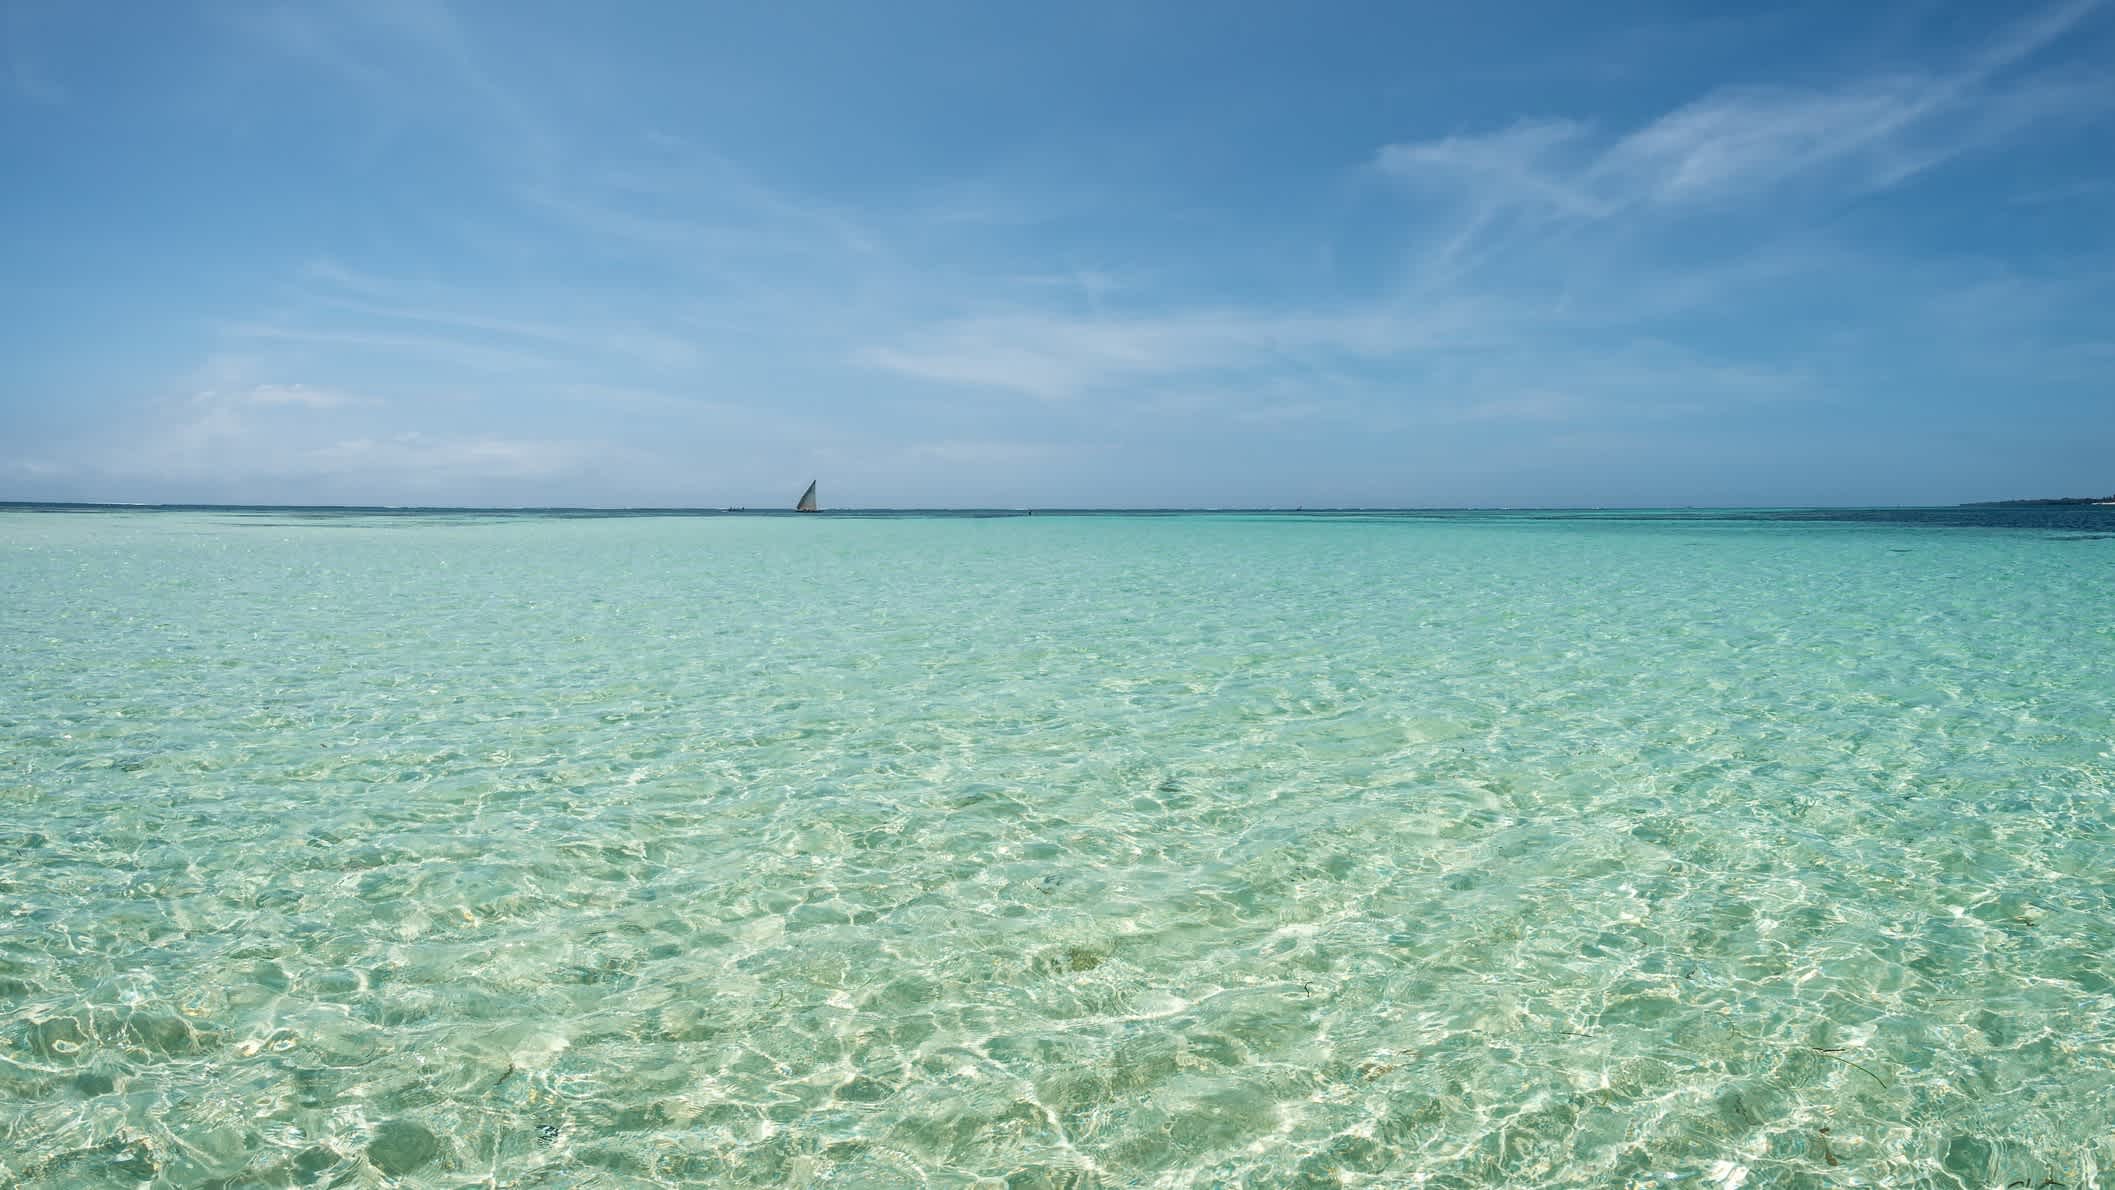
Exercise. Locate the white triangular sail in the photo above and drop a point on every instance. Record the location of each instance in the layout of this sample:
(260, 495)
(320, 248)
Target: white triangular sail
(807, 499)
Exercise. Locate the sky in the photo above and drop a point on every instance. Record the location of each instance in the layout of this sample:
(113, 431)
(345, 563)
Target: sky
(1056, 255)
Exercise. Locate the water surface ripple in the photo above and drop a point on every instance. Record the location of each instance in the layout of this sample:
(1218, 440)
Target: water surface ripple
(1055, 851)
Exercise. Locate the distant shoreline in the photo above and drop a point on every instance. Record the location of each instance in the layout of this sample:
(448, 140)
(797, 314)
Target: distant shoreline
(2046, 501)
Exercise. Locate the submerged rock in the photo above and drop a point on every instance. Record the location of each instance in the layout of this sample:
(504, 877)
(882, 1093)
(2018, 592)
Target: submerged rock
(400, 1146)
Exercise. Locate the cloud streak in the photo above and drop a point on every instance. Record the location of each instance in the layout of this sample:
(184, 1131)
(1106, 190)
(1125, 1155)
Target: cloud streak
(294, 437)
(462, 353)
(1057, 356)
(1738, 144)
(406, 58)
(287, 394)
(401, 302)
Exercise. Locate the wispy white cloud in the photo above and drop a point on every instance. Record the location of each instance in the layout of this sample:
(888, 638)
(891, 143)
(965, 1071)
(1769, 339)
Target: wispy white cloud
(2088, 190)
(1055, 356)
(984, 453)
(37, 470)
(198, 430)
(695, 176)
(630, 397)
(704, 246)
(457, 309)
(1091, 285)
(1518, 165)
(467, 354)
(289, 394)
(407, 59)
(1282, 413)
(429, 459)
(700, 215)
(1529, 406)
(1643, 380)
(280, 434)
(1743, 143)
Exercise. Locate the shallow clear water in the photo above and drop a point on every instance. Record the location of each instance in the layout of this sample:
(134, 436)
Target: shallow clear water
(1080, 851)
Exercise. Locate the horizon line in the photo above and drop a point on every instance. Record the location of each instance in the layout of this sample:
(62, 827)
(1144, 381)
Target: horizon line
(772, 510)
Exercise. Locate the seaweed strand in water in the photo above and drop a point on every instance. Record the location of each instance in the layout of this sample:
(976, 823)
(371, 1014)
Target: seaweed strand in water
(1838, 1056)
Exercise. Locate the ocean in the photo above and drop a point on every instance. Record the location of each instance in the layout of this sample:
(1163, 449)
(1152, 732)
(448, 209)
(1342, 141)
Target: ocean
(1678, 848)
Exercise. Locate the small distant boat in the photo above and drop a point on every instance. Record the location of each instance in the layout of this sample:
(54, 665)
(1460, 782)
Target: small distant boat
(807, 499)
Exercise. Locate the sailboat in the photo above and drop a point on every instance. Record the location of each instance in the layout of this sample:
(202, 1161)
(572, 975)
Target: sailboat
(807, 499)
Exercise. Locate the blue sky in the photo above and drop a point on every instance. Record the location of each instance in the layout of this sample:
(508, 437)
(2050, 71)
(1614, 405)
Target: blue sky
(408, 252)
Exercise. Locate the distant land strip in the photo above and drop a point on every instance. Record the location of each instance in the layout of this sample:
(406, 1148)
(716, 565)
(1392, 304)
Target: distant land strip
(2042, 500)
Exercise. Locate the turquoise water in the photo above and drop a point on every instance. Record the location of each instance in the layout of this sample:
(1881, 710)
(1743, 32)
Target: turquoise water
(1055, 851)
